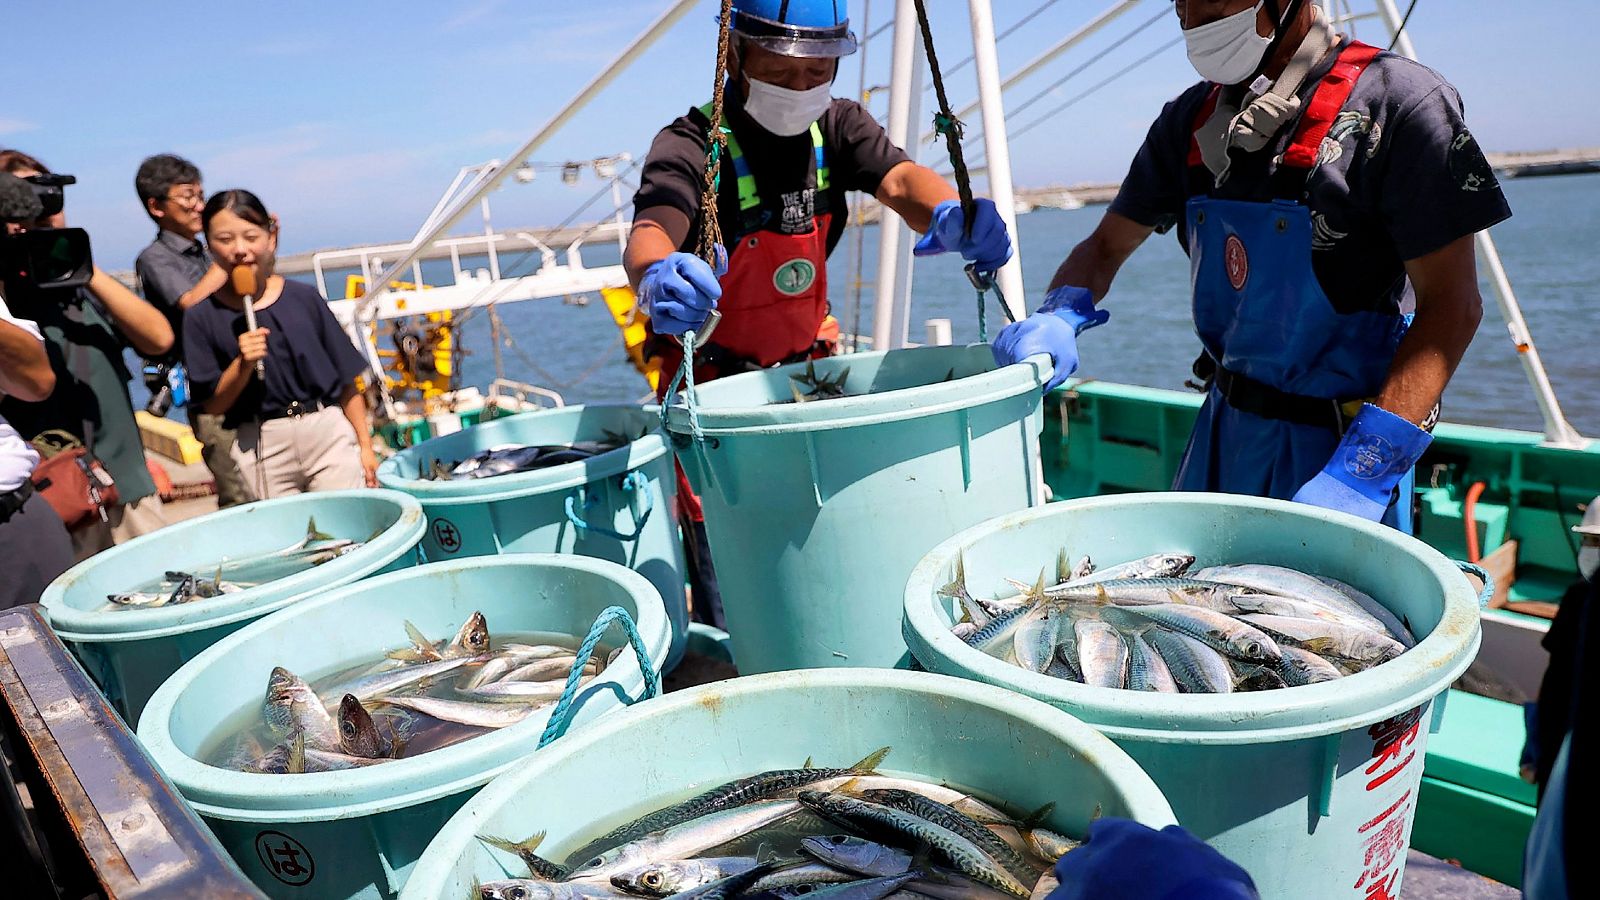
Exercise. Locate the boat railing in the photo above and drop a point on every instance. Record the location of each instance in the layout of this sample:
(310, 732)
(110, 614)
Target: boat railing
(520, 391)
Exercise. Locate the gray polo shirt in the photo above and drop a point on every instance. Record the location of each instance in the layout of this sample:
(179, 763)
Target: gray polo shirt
(171, 265)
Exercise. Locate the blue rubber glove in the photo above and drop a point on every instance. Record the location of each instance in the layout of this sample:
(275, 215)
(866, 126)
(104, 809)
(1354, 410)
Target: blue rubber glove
(1123, 860)
(678, 292)
(1378, 449)
(1054, 330)
(989, 246)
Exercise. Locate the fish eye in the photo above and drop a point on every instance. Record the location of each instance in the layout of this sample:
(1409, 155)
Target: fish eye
(518, 893)
(839, 840)
(348, 727)
(651, 879)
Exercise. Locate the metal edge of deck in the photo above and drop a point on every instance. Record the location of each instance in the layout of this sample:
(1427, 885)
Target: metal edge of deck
(136, 833)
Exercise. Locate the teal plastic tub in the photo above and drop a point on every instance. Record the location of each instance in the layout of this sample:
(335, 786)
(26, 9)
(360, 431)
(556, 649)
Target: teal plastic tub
(357, 833)
(970, 736)
(617, 506)
(1312, 789)
(129, 652)
(816, 512)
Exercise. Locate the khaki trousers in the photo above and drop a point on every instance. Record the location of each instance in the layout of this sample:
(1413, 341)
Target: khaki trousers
(296, 455)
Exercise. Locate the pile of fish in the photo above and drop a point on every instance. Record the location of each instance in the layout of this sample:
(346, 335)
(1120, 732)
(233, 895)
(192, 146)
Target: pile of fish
(1158, 624)
(413, 700)
(510, 458)
(843, 833)
(232, 574)
(811, 386)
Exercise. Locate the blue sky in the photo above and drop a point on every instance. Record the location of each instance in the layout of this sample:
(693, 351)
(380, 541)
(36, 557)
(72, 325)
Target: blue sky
(350, 118)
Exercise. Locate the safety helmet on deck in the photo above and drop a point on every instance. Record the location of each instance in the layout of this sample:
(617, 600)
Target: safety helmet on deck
(804, 28)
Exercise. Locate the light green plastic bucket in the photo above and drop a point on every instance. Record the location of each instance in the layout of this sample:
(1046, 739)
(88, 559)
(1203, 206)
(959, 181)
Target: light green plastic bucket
(973, 737)
(129, 652)
(1312, 789)
(357, 833)
(816, 512)
(617, 506)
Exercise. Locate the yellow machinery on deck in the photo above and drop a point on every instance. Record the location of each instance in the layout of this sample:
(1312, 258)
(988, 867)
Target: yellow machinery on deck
(421, 362)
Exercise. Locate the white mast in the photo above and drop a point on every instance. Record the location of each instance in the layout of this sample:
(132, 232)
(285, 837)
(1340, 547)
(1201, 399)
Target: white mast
(1558, 432)
(997, 148)
(892, 304)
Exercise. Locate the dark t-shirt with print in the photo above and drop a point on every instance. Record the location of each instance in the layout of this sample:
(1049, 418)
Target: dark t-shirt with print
(309, 357)
(1398, 177)
(857, 151)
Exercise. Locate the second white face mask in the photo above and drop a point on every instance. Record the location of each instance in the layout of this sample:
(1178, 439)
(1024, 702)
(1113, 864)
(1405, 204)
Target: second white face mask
(784, 112)
(1228, 50)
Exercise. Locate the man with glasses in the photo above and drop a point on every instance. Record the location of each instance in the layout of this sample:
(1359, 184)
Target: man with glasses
(176, 272)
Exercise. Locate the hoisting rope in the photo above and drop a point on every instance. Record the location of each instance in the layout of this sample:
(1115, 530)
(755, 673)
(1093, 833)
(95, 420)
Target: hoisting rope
(710, 248)
(945, 123)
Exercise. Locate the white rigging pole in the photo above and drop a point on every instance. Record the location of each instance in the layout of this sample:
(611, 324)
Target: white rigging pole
(1558, 432)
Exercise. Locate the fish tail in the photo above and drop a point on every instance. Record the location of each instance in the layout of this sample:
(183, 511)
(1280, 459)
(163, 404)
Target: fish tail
(1063, 566)
(297, 755)
(520, 848)
(1037, 817)
(806, 764)
(869, 764)
(958, 587)
(312, 534)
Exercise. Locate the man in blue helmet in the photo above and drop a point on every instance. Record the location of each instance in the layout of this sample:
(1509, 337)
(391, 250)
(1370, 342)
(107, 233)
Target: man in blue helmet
(793, 153)
(1327, 194)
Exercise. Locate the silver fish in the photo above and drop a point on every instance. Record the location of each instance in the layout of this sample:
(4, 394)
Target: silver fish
(1304, 667)
(1392, 623)
(1157, 565)
(462, 712)
(1048, 844)
(1277, 605)
(1034, 641)
(547, 669)
(672, 876)
(963, 855)
(521, 691)
(292, 708)
(1227, 634)
(531, 889)
(1102, 656)
(1300, 586)
(687, 839)
(856, 854)
(1147, 671)
(1329, 638)
(1196, 667)
(368, 687)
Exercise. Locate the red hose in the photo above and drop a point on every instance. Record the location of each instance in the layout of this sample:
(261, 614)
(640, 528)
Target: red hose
(1467, 509)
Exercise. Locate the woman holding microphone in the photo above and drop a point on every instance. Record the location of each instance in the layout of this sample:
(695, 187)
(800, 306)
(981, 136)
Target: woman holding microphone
(288, 383)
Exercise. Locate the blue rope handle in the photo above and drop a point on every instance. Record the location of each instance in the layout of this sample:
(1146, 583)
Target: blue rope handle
(560, 716)
(1485, 595)
(685, 378)
(633, 484)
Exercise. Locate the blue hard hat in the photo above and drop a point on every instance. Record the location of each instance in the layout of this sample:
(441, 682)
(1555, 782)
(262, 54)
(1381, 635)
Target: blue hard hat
(814, 28)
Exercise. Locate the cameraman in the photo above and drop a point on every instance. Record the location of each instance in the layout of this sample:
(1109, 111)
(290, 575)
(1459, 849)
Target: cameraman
(85, 330)
(32, 540)
(175, 272)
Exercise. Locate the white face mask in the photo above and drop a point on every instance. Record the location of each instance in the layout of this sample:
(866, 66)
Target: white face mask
(1588, 561)
(1228, 50)
(784, 112)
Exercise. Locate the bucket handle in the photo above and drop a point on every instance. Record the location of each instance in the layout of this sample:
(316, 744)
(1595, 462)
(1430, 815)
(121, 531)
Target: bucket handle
(560, 716)
(1487, 593)
(633, 484)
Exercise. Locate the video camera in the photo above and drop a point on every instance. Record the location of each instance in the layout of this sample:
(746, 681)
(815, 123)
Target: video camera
(40, 259)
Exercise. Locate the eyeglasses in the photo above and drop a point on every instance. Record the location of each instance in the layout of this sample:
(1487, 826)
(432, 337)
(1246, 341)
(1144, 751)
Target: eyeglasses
(187, 197)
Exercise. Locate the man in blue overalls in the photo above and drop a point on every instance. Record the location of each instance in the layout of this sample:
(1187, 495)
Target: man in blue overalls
(1327, 194)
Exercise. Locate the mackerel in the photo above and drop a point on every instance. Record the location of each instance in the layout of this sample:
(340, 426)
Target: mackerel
(1196, 667)
(961, 853)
